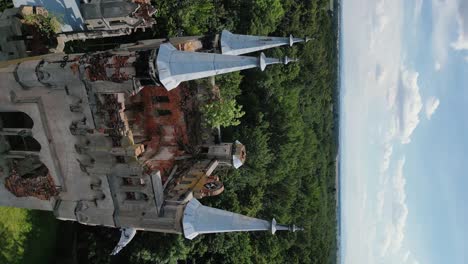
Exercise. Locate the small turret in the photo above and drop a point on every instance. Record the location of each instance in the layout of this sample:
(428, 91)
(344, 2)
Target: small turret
(292, 228)
(227, 154)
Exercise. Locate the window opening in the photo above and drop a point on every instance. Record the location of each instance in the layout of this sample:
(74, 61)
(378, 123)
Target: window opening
(15, 120)
(160, 99)
(163, 112)
(19, 143)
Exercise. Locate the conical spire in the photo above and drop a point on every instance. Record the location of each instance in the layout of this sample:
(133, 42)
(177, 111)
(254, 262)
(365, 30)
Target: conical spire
(175, 66)
(199, 219)
(235, 44)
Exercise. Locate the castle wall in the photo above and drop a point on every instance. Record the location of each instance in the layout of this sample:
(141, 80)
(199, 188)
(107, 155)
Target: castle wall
(108, 144)
(48, 100)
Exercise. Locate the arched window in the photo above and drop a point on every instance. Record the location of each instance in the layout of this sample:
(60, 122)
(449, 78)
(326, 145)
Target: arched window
(15, 120)
(20, 143)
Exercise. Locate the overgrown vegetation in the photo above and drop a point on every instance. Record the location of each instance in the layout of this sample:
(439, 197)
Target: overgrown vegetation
(222, 113)
(47, 25)
(225, 112)
(4, 4)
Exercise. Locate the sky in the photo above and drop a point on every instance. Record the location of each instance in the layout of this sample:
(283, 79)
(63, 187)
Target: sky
(404, 132)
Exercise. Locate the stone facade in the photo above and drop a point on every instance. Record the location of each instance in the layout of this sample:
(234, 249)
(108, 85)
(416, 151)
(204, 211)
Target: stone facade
(107, 141)
(110, 144)
(122, 15)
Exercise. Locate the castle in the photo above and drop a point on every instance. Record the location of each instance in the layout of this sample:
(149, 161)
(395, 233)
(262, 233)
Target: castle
(103, 138)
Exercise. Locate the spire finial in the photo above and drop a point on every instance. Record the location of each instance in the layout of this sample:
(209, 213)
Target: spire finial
(275, 227)
(264, 61)
(288, 60)
(294, 228)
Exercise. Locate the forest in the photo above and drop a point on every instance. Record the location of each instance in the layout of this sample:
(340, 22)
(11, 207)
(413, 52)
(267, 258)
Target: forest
(290, 131)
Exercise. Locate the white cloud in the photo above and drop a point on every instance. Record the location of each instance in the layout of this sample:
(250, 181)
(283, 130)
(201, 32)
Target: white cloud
(381, 112)
(406, 256)
(395, 230)
(466, 58)
(380, 203)
(462, 20)
(444, 15)
(387, 154)
(437, 66)
(417, 8)
(380, 74)
(432, 103)
(461, 43)
(400, 209)
(410, 104)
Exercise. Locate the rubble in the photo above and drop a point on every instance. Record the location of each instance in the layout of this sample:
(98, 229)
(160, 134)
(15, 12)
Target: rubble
(114, 122)
(39, 186)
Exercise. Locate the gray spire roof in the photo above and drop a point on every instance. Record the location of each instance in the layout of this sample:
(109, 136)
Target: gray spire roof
(175, 66)
(235, 44)
(199, 219)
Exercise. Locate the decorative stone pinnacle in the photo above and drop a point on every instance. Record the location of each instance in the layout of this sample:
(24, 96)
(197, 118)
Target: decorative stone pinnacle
(275, 227)
(288, 60)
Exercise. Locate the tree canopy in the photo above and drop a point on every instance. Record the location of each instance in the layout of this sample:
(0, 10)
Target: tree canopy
(289, 131)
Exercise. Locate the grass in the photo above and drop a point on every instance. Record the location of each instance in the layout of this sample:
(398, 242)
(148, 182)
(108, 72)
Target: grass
(27, 236)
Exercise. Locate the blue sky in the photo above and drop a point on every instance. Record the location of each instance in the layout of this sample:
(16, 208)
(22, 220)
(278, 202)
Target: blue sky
(404, 131)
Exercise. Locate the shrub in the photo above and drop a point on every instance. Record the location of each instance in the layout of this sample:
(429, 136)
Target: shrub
(222, 113)
(47, 25)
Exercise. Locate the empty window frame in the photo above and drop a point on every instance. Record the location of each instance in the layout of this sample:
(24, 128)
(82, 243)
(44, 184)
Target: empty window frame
(163, 112)
(160, 99)
(136, 196)
(204, 150)
(185, 182)
(15, 120)
(19, 143)
(117, 23)
(120, 159)
(133, 181)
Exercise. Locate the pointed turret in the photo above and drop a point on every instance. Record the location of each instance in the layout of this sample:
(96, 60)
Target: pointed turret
(199, 219)
(235, 44)
(175, 66)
